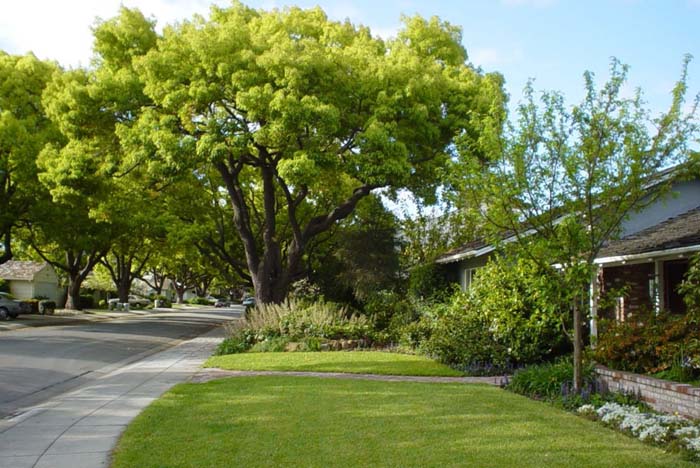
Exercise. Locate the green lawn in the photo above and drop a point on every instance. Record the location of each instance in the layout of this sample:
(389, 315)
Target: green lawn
(355, 362)
(275, 421)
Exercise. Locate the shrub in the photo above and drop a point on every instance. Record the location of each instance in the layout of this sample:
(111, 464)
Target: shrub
(385, 307)
(510, 316)
(162, 300)
(428, 281)
(270, 345)
(549, 381)
(86, 301)
(690, 287)
(652, 344)
(198, 301)
(238, 341)
(295, 321)
(4, 286)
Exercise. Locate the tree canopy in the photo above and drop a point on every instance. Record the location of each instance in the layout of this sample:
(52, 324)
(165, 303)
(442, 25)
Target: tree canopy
(302, 117)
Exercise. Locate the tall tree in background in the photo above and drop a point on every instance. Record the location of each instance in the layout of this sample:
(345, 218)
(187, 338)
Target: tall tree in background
(106, 194)
(303, 117)
(24, 130)
(563, 181)
(360, 256)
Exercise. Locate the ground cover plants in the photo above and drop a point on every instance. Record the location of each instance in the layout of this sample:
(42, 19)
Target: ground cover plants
(312, 422)
(669, 431)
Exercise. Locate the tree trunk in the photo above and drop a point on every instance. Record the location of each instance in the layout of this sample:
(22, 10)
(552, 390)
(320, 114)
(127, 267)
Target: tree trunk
(180, 293)
(73, 293)
(271, 276)
(7, 246)
(578, 348)
(124, 280)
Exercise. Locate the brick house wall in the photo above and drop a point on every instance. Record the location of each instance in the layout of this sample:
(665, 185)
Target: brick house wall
(634, 277)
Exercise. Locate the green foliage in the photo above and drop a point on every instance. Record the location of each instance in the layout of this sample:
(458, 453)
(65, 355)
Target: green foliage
(546, 381)
(275, 344)
(563, 179)
(362, 256)
(652, 343)
(690, 287)
(428, 281)
(163, 301)
(24, 130)
(198, 301)
(4, 286)
(306, 117)
(387, 309)
(268, 327)
(511, 316)
(233, 344)
(86, 301)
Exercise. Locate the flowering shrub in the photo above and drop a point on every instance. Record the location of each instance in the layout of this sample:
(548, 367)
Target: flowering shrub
(660, 429)
(651, 344)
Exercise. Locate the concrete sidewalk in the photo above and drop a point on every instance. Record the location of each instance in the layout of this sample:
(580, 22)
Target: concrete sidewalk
(79, 429)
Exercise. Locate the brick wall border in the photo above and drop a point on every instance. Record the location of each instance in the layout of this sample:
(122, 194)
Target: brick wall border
(662, 395)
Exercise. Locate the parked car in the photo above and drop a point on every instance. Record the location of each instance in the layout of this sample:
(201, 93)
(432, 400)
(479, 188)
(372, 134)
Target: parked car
(221, 303)
(248, 302)
(134, 301)
(9, 307)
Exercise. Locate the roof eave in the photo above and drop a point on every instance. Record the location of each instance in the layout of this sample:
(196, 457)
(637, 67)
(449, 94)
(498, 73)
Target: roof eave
(646, 256)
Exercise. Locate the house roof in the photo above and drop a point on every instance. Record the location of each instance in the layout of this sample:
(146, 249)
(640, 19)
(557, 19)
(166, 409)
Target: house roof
(677, 232)
(464, 251)
(20, 270)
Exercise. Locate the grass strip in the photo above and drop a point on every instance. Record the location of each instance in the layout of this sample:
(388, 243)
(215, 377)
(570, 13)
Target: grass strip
(354, 362)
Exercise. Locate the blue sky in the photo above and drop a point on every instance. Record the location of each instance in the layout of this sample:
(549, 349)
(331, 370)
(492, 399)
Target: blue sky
(552, 41)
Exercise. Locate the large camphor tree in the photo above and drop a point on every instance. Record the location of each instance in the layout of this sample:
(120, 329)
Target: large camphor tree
(302, 117)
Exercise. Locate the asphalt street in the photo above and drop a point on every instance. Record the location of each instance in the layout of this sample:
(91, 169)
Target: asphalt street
(39, 363)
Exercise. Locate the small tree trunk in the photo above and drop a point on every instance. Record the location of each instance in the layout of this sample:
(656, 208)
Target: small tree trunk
(180, 293)
(578, 348)
(73, 293)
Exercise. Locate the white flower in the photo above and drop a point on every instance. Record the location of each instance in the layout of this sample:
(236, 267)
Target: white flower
(693, 444)
(655, 432)
(586, 409)
(687, 432)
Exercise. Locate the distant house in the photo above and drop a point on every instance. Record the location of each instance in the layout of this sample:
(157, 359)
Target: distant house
(31, 279)
(646, 264)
